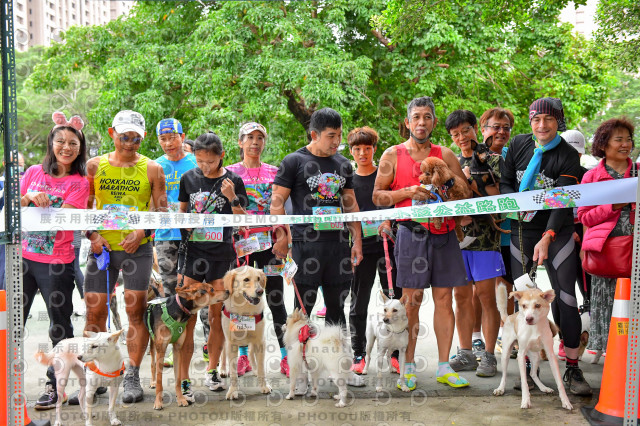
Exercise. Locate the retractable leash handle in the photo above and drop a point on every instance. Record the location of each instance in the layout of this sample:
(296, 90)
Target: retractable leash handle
(103, 260)
(387, 261)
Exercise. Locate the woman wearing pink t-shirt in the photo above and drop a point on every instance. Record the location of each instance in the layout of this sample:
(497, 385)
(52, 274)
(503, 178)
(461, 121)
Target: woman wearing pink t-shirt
(258, 179)
(47, 257)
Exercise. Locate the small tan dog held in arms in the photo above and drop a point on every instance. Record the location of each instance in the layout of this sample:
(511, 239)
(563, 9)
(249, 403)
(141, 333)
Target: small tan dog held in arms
(104, 364)
(319, 349)
(449, 186)
(532, 329)
(243, 323)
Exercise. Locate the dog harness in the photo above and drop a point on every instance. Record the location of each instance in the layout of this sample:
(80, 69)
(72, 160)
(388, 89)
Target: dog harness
(303, 336)
(228, 314)
(93, 367)
(175, 327)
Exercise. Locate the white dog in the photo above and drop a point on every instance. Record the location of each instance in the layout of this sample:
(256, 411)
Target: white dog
(243, 311)
(105, 366)
(326, 349)
(391, 328)
(532, 329)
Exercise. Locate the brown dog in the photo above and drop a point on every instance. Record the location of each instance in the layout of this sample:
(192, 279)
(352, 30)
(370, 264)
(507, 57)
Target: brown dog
(436, 172)
(243, 323)
(189, 299)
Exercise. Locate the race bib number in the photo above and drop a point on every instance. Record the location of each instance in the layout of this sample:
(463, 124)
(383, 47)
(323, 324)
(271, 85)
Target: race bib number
(247, 246)
(264, 238)
(370, 228)
(242, 322)
(42, 242)
(213, 235)
(273, 270)
(327, 226)
(289, 270)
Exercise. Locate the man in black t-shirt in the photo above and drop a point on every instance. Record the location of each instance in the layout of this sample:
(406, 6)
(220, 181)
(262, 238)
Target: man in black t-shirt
(320, 181)
(544, 160)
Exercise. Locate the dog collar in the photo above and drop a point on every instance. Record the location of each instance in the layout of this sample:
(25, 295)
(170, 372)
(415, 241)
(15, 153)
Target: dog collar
(447, 186)
(185, 310)
(228, 314)
(93, 367)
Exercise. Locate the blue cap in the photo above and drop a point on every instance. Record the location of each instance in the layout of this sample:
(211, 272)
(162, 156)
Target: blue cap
(168, 125)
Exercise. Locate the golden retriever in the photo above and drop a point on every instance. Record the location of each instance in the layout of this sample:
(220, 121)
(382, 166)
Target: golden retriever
(243, 323)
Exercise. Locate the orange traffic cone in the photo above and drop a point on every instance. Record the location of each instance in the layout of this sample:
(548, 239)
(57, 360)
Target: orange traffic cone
(29, 422)
(610, 407)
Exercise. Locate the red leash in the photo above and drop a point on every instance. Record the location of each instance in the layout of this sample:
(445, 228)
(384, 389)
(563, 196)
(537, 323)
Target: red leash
(387, 261)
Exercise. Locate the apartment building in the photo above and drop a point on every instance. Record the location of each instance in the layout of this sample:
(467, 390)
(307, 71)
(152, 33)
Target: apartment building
(582, 18)
(39, 22)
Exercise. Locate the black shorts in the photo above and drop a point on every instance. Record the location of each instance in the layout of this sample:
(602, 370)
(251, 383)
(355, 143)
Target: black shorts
(506, 258)
(322, 262)
(205, 269)
(136, 270)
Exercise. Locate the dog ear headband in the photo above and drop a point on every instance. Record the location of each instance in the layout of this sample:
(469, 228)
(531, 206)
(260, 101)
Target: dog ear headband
(61, 120)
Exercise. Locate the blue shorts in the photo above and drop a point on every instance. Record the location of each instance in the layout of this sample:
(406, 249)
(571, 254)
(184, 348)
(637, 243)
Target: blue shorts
(482, 265)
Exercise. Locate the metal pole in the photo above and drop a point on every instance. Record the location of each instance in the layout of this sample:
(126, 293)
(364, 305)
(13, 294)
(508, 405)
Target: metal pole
(633, 364)
(13, 265)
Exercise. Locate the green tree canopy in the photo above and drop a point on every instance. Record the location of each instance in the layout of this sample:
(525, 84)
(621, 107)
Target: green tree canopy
(214, 65)
(619, 32)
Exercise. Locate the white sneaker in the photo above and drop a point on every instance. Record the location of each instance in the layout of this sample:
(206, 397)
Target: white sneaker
(81, 310)
(355, 380)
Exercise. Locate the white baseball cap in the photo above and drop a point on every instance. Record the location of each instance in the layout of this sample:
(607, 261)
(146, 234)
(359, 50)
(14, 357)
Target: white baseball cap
(129, 121)
(250, 127)
(575, 139)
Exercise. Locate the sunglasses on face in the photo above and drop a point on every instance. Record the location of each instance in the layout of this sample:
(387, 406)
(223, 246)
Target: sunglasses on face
(127, 139)
(505, 129)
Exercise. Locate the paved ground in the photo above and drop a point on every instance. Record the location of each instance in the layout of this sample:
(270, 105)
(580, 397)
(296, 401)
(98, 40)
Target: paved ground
(431, 403)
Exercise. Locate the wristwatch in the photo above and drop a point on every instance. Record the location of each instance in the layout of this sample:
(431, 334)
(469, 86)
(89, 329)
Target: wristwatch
(470, 179)
(235, 202)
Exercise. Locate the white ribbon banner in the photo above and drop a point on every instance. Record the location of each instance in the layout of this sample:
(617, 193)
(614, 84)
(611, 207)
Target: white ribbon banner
(58, 219)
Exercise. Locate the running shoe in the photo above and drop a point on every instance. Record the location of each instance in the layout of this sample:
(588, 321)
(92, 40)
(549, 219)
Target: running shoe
(488, 365)
(464, 360)
(212, 380)
(168, 360)
(205, 353)
(49, 398)
(358, 364)
(395, 365)
(477, 346)
(576, 384)
(562, 355)
(187, 392)
(243, 365)
(284, 366)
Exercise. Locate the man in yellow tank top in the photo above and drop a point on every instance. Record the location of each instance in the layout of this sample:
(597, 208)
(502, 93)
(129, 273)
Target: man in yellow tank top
(124, 180)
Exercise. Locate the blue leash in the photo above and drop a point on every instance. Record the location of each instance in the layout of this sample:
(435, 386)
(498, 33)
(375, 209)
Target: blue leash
(103, 261)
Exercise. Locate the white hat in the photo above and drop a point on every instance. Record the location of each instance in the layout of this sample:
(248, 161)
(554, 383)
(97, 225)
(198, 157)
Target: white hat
(129, 121)
(575, 139)
(250, 127)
